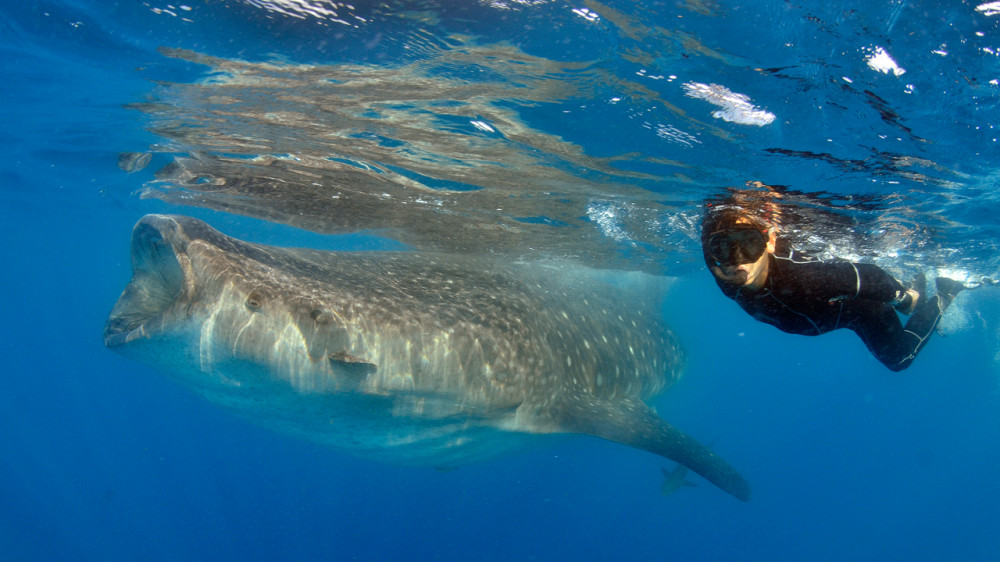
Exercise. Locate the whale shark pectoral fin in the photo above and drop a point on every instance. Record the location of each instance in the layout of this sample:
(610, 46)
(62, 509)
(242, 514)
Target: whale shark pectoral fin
(632, 423)
(347, 365)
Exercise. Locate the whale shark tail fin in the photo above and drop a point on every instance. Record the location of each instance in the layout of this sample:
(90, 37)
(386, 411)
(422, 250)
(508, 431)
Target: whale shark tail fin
(632, 423)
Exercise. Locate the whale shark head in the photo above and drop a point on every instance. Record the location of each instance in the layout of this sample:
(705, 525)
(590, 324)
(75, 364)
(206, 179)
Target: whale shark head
(205, 301)
(412, 357)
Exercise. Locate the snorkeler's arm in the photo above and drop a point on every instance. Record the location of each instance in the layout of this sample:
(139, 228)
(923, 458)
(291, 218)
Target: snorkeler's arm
(834, 281)
(877, 284)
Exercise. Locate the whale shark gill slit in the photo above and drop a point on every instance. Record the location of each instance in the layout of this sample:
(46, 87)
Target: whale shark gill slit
(351, 366)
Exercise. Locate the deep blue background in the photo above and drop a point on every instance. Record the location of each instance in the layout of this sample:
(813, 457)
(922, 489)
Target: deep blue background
(101, 458)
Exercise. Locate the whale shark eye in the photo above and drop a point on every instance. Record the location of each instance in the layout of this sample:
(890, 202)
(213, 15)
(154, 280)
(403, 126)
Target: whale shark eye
(255, 300)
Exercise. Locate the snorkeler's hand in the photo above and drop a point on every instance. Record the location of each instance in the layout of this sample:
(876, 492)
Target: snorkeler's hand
(908, 302)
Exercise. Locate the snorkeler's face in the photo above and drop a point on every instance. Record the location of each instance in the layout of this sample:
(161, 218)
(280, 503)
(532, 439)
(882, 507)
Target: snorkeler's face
(741, 256)
(737, 245)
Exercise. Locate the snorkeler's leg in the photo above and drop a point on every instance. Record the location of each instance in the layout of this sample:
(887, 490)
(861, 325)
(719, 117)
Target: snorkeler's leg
(879, 327)
(928, 313)
(895, 345)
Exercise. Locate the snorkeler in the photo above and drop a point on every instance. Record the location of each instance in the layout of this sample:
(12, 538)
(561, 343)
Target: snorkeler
(802, 295)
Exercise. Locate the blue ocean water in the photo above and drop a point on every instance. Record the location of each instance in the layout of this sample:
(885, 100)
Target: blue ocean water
(880, 114)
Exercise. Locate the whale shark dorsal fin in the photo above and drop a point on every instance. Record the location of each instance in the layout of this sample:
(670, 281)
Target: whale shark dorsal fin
(632, 423)
(345, 364)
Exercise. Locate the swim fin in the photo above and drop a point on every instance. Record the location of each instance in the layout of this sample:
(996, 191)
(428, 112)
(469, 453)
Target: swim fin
(948, 288)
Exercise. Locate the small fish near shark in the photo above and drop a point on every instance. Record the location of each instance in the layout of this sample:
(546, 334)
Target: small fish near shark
(410, 357)
(673, 481)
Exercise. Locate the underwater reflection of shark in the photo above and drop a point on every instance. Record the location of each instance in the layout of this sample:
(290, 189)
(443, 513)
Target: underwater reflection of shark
(415, 358)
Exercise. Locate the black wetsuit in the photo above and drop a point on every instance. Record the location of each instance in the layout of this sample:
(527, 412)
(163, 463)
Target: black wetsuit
(806, 296)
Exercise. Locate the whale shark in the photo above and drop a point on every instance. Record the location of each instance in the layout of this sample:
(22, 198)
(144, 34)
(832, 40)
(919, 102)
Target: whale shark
(411, 357)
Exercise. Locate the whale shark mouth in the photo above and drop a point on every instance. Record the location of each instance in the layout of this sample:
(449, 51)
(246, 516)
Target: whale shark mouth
(157, 281)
